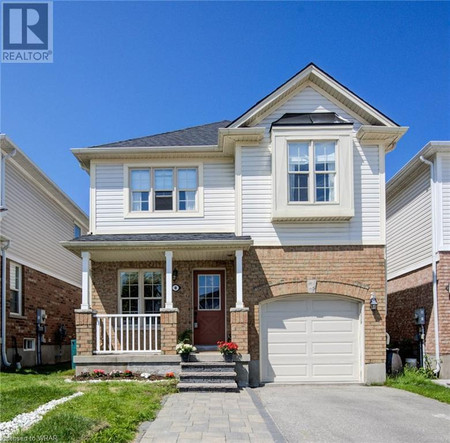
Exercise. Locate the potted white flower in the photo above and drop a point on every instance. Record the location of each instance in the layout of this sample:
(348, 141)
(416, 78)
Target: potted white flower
(184, 349)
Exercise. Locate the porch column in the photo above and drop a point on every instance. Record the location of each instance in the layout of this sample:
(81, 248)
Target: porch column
(239, 296)
(85, 281)
(169, 303)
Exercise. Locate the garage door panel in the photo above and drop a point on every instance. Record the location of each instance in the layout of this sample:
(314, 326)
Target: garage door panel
(286, 337)
(310, 339)
(332, 325)
(333, 348)
(286, 348)
(333, 370)
(286, 370)
(286, 325)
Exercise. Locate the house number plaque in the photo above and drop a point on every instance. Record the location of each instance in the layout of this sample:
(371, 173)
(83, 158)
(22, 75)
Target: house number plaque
(175, 288)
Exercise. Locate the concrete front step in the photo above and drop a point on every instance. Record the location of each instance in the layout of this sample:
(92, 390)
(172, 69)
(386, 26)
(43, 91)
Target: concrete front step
(212, 366)
(208, 377)
(208, 387)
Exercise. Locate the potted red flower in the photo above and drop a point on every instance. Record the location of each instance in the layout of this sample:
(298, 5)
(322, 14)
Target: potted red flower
(227, 349)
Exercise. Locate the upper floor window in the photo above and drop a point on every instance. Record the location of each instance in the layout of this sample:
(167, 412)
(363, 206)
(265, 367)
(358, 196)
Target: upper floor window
(76, 231)
(312, 171)
(163, 189)
(15, 284)
(140, 189)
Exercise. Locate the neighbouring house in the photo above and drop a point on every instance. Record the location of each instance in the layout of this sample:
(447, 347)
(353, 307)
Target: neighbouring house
(268, 230)
(418, 214)
(41, 281)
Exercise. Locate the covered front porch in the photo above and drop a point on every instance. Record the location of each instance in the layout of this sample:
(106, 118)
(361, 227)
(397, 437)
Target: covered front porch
(141, 292)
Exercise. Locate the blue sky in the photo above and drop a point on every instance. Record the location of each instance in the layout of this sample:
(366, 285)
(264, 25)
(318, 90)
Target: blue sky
(128, 69)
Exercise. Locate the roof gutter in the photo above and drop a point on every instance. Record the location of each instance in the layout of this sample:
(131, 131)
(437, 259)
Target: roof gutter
(433, 258)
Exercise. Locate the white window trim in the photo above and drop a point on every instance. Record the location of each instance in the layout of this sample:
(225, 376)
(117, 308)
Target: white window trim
(18, 289)
(342, 209)
(311, 173)
(33, 341)
(141, 299)
(175, 212)
(198, 294)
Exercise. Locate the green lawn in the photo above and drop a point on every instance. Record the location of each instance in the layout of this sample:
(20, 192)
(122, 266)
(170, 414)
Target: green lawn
(413, 381)
(107, 412)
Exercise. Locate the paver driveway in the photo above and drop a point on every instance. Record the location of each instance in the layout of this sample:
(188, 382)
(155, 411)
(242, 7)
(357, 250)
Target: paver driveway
(355, 414)
(212, 417)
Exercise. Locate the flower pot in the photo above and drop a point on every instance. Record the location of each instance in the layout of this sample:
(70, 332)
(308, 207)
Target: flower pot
(228, 357)
(184, 357)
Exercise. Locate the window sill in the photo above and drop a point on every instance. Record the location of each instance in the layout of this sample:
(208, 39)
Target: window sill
(164, 214)
(313, 212)
(18, 316)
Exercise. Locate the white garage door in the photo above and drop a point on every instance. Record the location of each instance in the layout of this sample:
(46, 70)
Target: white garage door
(310, 339)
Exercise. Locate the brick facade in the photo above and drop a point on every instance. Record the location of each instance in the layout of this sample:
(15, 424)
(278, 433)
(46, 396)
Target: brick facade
(415, 290)
(58, 298)
(353, 271)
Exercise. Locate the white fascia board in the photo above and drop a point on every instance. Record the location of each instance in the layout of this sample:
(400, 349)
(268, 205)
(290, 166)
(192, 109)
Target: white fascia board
(384, 135)
(170, 245)
(428, 151)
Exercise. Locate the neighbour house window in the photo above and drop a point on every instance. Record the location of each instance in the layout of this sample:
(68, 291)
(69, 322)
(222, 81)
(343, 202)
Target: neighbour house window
(29, 344)
(312, 171)
(140, 189)
(76, 231)
(15, 279)
(140, 291)
(172, 189)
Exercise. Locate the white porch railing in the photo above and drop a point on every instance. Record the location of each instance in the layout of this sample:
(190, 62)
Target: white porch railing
(116, 333)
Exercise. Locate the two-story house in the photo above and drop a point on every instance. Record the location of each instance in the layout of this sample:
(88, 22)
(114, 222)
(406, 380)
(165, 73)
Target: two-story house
(40, 280)
(418, 260)
(268, 229)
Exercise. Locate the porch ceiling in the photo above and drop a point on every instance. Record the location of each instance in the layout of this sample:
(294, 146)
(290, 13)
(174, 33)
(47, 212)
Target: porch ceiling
(152, 247)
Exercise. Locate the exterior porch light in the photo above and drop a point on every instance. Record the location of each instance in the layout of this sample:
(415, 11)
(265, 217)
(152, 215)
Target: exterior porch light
(373, 302)
(175, 274)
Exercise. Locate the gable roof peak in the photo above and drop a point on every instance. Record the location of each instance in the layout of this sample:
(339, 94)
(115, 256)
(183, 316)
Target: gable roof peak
(327, 84)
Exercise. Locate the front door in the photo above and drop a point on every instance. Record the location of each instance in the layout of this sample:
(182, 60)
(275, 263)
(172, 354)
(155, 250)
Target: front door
(209, 307)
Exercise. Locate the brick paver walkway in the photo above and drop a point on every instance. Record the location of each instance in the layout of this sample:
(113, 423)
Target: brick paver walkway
(212, 417)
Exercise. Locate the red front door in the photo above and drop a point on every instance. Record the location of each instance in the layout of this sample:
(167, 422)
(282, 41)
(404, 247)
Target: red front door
(209, 307)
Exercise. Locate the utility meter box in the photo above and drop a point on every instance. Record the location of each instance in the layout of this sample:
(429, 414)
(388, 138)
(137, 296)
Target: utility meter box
(419, 316)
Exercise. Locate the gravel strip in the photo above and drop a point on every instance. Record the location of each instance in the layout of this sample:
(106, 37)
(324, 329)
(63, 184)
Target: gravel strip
(28, 419)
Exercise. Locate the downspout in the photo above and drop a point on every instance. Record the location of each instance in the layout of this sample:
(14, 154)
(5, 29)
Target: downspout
(434, 271)
(4, 248)
(4, 356)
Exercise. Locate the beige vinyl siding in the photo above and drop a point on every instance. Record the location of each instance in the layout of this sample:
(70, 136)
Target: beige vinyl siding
(445, 168)
(307, 100)
(364, 227)
(408, 226)
(35, 224)
(219, 204)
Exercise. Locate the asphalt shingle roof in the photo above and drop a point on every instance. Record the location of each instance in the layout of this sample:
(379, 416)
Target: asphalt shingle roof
(161, 237)
(193, 136)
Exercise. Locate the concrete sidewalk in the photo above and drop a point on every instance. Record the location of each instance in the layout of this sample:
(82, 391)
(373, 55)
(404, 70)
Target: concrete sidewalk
(212, 417)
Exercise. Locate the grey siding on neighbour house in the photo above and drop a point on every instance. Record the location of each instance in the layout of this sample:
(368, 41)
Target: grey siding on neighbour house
(409, 224)
(35, 224)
